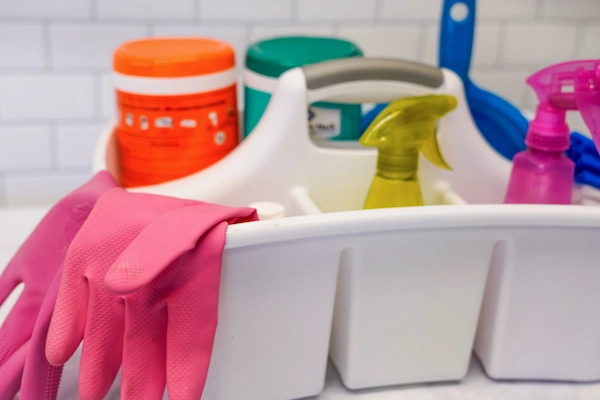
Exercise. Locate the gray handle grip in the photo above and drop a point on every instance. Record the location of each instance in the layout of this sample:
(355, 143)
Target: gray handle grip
(344, 70)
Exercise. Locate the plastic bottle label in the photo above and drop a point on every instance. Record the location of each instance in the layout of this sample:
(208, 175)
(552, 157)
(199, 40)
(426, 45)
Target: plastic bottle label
(324, 123)
(167, 137)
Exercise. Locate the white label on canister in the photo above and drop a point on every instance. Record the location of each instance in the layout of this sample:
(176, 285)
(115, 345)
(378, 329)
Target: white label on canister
(188, 123)
(163, 122)
(324, 123)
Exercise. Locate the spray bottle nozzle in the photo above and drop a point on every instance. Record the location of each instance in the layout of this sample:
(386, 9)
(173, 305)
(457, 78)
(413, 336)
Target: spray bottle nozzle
(400, 132)
(408, 125)
(573, 85)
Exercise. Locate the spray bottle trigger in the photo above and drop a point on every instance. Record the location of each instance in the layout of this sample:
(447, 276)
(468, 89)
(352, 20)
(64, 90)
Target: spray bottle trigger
(431, 151)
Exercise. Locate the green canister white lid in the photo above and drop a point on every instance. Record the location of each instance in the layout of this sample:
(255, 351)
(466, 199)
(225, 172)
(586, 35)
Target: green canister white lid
(268, 59)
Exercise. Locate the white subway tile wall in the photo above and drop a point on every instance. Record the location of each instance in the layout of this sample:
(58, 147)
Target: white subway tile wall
(144, 10)
(410, 10)
(539, 42)
(22, 45)
(570, 9)
(29, 189)
(25, 148)
(589, 45)
(50, 97)
(244, 10)
(340, 10)
(260, 32)
(235, 35)
(382, 41)
(56, 92)
(89, 46)
(76, 136)
(45, 9)
(106, 92)
(514, 9)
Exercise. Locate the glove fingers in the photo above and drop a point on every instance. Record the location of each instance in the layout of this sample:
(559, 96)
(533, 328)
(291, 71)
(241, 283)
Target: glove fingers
(46, 389)
(40, 379)
(193, 315)
(137, 266)
(11, 373)
(102, 344)
(18, 326)
(143, 375)
(69, 318)
(8, 283)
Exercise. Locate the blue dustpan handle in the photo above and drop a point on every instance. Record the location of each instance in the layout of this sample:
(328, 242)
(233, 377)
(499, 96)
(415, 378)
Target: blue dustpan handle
(456, 39)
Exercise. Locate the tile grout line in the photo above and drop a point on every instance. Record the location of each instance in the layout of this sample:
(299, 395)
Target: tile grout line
(3, 190)
(421, 42)
(501, 45)
(248, 29)
(197, 17)
(94, 10)
(295, 10)
(336, 29)
(378, 11)
(579, 35)
(47, 45)
(538, 10)
(54, 161)
(97, 96)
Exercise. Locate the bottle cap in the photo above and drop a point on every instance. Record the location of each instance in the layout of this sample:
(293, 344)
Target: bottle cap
(173, 57)
(268, 209)
(273, 57)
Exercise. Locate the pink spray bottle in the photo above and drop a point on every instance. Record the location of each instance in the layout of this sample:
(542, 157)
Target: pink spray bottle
(542, 174)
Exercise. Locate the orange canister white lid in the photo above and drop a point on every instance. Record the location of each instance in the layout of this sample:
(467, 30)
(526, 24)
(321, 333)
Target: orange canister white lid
(163, 66)
(177, 107)
(173, 57)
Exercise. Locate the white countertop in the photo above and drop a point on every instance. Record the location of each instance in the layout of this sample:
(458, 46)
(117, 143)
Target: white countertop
(16, 224)
(475, 386)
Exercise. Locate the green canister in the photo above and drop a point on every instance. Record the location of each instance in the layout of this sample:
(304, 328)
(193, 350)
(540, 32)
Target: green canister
(268, 59)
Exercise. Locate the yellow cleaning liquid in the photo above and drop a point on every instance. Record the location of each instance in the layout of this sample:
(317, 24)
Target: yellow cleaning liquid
(400, 132)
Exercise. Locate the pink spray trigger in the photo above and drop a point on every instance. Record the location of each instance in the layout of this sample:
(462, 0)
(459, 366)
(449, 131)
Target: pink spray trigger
(573, 85)
(587, 97)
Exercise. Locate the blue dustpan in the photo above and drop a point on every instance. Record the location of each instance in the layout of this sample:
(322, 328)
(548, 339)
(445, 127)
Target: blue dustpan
(501, 124)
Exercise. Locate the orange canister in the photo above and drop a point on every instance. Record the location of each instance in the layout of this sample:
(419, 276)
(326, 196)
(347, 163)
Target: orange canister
(177, 108)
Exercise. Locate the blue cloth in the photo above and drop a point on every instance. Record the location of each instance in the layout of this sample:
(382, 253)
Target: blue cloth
(584, 154)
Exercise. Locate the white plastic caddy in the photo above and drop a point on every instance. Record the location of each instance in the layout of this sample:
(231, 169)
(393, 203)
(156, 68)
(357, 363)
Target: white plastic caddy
(407, 283)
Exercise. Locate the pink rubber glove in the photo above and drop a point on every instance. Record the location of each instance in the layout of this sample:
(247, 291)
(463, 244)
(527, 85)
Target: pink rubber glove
(40, 379)
(171, 290)
(35, 264)
(84, 308)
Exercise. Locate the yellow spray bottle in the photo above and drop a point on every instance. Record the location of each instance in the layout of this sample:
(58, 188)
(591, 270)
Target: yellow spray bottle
(403, 129)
